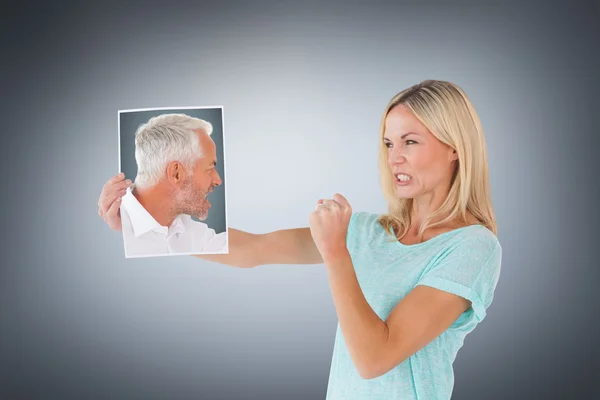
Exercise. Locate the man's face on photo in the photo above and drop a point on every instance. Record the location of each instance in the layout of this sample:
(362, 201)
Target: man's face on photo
(192, 198)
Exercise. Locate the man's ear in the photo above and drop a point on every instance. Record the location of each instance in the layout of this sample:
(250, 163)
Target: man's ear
(175, 173)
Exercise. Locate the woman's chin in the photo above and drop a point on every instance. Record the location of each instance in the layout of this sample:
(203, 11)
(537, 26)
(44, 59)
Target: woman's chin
(404, 193)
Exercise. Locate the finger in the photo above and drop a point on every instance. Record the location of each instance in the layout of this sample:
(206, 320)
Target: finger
(112, 216)
(119, 188)
(341, 199)
(117, 192)
(344, 203)
(319, 204)
(108, 201)
(330, 204)
(117, 178)
(109, 186)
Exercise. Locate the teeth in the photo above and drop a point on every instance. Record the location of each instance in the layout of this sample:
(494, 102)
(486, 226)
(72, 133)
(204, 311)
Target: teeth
(403, 177)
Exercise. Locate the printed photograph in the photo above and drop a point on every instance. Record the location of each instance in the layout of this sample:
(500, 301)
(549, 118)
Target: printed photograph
(175, 158)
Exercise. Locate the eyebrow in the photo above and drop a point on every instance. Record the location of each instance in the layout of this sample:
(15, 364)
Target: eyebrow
(409, 133)
(405, 135)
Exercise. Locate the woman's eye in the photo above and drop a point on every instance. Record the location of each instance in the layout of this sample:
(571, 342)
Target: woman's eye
(407, 142)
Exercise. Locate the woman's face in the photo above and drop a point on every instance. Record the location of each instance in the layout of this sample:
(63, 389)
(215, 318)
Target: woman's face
(420, 163)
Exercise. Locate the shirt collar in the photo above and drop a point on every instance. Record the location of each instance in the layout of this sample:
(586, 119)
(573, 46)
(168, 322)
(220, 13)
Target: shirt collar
(142, 222)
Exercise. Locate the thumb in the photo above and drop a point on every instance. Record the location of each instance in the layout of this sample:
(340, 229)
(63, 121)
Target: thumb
(113, 217)
(341, 199)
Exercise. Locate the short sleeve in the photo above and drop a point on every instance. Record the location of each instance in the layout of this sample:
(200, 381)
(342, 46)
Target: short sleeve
(470, 269)
(350, 235)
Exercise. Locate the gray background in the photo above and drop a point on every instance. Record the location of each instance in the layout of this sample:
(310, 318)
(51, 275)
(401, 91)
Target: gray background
(303, 86)
(129, 121)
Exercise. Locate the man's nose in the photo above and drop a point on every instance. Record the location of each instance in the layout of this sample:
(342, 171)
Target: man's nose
(217, 181)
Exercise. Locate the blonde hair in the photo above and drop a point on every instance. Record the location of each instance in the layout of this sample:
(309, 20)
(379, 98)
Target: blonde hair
(447, 112)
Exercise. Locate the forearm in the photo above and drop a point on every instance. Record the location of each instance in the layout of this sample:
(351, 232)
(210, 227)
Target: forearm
(243, 250)
(287, 246)
(364, 332)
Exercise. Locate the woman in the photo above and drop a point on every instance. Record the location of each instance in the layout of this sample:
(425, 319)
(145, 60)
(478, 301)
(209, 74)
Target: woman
(409, 285)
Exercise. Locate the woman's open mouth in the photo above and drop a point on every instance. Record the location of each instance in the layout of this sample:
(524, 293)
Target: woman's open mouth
(403, 179)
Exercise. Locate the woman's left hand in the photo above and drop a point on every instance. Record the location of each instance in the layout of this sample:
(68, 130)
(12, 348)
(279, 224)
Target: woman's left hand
(329, 226)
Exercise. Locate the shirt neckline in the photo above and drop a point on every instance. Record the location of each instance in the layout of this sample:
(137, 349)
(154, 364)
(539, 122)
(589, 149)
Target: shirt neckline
(143, 222)
(454, 231)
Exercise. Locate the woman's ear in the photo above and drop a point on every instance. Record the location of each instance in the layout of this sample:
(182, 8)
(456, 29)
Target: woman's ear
(453, 155)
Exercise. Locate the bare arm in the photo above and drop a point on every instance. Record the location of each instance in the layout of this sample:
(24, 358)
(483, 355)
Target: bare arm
(246, 250)
(287, 246)
(376, 346)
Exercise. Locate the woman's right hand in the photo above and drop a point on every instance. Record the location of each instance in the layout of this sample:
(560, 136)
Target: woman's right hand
(109, 202)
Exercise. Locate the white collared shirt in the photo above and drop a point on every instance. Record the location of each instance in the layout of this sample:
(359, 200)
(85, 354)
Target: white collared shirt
(143, 236)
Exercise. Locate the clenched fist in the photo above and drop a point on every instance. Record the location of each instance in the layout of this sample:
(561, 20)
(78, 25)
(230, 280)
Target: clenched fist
(329, 226)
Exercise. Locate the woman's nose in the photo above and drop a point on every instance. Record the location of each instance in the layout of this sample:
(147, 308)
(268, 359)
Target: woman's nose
(396, 157)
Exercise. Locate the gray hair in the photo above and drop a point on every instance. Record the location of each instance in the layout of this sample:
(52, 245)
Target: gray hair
(163, 139)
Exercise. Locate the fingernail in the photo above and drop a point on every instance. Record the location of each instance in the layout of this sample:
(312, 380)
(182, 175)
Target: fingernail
(121, 174)
(119, 200)
(128, 181)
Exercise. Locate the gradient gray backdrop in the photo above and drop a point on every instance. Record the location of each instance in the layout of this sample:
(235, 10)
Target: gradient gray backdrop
(129, 121)
(303, 86)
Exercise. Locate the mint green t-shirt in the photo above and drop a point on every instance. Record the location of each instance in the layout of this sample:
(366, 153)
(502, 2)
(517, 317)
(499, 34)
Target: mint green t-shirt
(465, 261)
